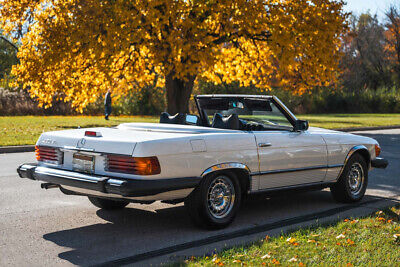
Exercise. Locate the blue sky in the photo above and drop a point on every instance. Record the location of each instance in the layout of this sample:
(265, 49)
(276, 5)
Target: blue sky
(374, 6)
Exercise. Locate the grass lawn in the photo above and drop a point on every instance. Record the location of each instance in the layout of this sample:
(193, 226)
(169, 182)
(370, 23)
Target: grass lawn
(332, 121)
(370, 241)
(25, 130)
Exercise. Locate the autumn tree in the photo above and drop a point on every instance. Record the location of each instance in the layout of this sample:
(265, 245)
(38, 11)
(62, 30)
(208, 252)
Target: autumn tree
(75, 49)
(364, 64)
(393, 40)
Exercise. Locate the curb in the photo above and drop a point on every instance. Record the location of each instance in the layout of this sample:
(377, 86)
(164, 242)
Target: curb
(355, 129)
(16, 149)
(31, 148)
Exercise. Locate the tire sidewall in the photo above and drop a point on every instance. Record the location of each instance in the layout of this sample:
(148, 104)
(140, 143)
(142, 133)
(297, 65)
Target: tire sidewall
(214, 222)
(360, 159)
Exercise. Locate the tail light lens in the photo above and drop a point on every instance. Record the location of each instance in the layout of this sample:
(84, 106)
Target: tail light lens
(133, 165)
(49, 154)
(377, 150)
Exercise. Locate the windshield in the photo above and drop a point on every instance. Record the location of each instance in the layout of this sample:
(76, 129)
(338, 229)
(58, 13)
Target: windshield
(253, 113)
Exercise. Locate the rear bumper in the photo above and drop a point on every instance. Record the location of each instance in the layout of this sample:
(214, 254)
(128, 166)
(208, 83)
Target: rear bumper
(379, 163)
(110, 185)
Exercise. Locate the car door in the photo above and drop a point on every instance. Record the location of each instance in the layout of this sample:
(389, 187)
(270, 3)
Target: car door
(288, 158)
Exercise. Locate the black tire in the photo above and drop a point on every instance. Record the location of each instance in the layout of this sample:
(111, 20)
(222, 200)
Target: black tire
(108, 204)
(342, 190)
(200, 206)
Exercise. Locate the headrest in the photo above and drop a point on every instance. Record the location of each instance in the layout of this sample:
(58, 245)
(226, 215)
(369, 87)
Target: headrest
(178, 118)
(230, 122)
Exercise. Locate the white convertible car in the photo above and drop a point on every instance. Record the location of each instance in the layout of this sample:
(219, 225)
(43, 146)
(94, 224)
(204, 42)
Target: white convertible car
(238, 145)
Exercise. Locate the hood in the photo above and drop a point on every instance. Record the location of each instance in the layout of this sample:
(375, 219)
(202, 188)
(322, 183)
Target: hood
(322, 130)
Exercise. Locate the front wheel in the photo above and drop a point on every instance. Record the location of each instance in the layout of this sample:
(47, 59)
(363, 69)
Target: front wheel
(215, 202)
(353, 181)
(108, 204)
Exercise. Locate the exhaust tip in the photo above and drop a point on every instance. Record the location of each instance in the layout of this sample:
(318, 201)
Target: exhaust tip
(48, 185)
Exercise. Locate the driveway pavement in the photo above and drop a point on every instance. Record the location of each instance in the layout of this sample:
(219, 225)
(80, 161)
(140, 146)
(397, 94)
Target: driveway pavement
(44, 227)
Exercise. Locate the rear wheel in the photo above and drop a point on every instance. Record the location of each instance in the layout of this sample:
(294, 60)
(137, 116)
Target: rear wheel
(108, 204)
(215, 202)
(353, 181)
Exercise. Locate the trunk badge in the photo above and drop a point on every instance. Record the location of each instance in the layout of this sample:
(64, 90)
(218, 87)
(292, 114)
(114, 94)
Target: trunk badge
(81, 142)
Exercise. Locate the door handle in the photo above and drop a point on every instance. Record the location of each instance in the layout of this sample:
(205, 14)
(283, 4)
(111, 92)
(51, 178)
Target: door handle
(264, 144)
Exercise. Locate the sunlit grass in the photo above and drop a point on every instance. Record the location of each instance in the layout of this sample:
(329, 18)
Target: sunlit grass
(332, 121)
(25, 130)
(370, 241)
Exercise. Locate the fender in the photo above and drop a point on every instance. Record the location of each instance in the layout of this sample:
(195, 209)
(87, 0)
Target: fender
(351, 152)
(225, 166)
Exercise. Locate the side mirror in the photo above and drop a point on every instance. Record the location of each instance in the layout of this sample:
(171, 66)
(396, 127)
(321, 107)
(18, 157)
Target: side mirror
(300, 125)
(192, 119)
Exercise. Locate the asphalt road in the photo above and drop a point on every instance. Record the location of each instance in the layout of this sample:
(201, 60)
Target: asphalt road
(44, 227)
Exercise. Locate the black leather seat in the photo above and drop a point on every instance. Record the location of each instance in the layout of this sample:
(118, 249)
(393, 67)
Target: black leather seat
(178, 118)
(230, 122)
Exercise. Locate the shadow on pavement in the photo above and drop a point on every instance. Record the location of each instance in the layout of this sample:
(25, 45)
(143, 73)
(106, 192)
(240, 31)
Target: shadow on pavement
(133, 231)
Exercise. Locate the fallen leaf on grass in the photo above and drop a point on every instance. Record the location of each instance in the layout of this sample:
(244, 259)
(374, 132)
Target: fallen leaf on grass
(315, 235)
(346, 220)
(291, 240)
(301, 264)
(380, 219)
(389, 221)
(340, 236)
(349, 241)
(293, 259)
(275, 261)
(237, 261)
(354, 221)
(266, 256)
(311, 241)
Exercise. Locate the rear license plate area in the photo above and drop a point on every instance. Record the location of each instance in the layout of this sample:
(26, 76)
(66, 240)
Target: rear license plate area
(83, 163)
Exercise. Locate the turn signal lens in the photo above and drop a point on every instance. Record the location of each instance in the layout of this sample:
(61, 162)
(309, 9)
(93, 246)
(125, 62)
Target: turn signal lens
(377, 150)
(147, 166)
(133, 165)
(48, 154)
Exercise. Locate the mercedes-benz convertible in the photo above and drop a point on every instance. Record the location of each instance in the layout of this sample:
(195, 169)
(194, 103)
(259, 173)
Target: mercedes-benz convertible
(237, 145)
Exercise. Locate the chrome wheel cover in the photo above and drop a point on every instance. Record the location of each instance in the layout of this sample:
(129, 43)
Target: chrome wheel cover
(355, 178)
(220, 197)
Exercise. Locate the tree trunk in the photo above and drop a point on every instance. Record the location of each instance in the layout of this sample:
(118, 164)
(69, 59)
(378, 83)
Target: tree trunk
(178, 93)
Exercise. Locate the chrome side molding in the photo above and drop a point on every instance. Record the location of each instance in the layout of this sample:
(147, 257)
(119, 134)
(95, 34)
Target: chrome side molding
(224, 166)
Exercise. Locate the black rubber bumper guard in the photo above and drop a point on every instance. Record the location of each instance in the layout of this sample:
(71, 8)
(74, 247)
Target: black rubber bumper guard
(111, 185)
(379, 163)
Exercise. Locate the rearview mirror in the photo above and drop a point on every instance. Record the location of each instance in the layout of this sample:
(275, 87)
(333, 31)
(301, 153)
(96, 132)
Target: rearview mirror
(191, 119)
(300, 125)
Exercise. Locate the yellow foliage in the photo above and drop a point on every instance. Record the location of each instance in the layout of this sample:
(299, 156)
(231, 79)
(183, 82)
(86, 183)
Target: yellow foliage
(75, 50)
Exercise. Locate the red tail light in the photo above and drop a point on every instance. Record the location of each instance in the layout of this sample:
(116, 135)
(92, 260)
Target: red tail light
(133, 165)
(48, 154)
